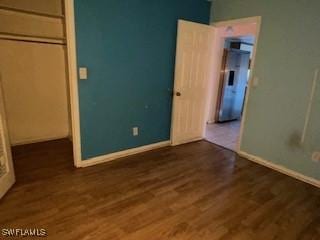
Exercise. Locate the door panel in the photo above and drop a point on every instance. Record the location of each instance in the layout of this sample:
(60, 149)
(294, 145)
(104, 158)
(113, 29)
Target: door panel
(192, 74)
(7, 177)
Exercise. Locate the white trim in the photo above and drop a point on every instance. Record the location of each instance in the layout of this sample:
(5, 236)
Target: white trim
(73, 80)
(125, 153)
(44, 139)
(255, 20)
(280, 169)
(8, 179)
(310, 104)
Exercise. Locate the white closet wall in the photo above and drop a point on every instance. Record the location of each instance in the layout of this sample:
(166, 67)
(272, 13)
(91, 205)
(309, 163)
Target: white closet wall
(33, 74)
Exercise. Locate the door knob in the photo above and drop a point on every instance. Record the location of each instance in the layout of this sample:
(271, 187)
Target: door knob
(178, 94)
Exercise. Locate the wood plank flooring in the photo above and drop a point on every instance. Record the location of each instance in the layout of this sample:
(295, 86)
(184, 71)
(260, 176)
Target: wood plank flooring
(197, 191)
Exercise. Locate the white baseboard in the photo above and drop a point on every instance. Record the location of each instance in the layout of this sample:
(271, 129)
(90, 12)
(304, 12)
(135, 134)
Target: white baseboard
(125, 153)
(186, 141)
(280, 169)
(37, 140)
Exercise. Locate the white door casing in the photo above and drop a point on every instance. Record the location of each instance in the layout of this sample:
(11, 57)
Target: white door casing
(7, 177)
(192, 81)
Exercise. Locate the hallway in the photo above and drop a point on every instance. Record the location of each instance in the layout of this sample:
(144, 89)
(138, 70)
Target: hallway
(224, 134)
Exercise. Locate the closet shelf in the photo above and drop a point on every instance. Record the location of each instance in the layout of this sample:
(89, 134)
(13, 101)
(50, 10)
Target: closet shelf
(29, 12)
(33, 39)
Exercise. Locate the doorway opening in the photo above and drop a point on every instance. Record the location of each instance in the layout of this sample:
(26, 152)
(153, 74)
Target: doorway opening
(234, 53)
(35, 93)
(213, 80)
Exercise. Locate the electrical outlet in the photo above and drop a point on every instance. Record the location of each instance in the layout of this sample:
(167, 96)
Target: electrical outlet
(316, 157)
(135, 131)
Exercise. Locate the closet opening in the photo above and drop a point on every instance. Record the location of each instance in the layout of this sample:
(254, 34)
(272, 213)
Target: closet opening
(234, 53)
(34, 84)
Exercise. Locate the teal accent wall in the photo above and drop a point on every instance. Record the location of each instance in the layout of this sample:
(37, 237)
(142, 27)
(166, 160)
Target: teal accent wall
(287, 55)
(128, 47)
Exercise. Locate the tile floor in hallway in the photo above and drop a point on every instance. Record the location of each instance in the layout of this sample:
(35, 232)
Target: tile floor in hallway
(224, 134)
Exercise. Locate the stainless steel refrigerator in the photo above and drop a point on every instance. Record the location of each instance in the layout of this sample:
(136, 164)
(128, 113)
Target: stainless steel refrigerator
(233, 85)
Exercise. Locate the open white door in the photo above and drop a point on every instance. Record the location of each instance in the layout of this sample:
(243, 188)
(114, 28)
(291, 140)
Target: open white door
(192, 79)
(7, 177)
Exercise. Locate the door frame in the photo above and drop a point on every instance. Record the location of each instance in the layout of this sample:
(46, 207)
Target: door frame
(251, 20)
(73, 80)
(73, 93)
(9, 178)
(73, 75)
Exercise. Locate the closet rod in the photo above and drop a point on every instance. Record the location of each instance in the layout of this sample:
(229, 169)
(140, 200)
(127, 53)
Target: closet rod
(32, 39)
(11, 9)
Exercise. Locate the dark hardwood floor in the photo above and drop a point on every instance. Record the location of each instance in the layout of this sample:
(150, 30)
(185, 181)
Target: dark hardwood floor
(196, 191)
